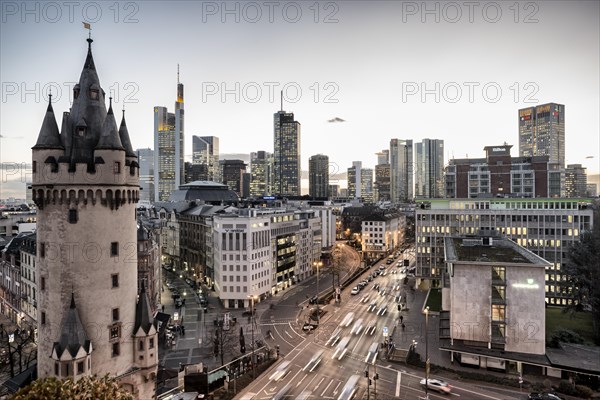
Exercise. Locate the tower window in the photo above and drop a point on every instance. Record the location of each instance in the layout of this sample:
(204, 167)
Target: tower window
(115, 331)
(117, 168)
(151, 344)
(114, 249)
(34, 167)
(115, 314)
(116, 349)
(73, 216)
(42, 250)
(43, 318)
(141, 345)
(115, 280)
(43, 283)
(81, 131)
(94, 94)
(80, 367)
(56, 368)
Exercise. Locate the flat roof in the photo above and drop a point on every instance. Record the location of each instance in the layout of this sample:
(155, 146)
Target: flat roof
(489, 250)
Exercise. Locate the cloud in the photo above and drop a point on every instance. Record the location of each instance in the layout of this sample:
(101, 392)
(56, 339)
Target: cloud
(336, 119)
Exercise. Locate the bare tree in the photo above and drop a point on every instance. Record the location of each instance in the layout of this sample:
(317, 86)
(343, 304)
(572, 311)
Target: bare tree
(20, 350)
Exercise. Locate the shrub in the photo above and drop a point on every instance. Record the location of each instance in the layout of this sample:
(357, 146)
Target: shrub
(566, 336)
(584, 391)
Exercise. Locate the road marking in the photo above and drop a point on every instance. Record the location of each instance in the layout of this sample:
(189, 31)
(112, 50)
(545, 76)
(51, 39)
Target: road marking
(335, 391)
(286, 332)
(316, 387)
(327, 387)
(301, 380)
(398, 384)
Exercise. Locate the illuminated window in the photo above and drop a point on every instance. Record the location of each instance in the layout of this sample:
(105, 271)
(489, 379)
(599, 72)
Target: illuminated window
(498, 312)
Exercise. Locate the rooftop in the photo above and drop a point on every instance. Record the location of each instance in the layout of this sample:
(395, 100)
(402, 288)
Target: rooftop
(489, 250)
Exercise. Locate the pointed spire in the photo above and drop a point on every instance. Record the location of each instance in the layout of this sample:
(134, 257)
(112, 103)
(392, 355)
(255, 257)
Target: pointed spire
(143, 316)
(109, 138)
(124, 136)
(49, 137)
(72, 334)
(89, 61)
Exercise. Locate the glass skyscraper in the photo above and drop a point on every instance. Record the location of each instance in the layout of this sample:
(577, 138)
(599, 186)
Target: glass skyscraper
(286, 155)
(542, 132)
(429, 173)
(205, 150)
(318, 176)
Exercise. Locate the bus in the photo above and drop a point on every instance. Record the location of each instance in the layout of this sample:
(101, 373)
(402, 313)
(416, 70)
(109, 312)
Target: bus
(349, 390)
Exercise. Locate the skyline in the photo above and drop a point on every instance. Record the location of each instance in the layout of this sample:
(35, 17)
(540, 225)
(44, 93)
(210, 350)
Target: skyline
(374, 86)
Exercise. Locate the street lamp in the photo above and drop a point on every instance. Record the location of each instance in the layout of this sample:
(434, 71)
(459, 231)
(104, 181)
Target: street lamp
(252, 297)
(426, 352)
(318, 265)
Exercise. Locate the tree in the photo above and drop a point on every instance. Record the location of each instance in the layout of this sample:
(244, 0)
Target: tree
(105, 388)
(583, 274)
(20, 350)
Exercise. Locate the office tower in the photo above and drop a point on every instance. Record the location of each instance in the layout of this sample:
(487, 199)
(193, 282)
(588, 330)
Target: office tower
(334, 191)
(90, 319)
(575, 181)
(318, 176)
(383, 157)
(261, 167)
(205, 150)
(169, 168)
(401, 170)
(382, 182)
(366, 185)
(146, 161)
(231, 171)
(195, 172)
(429, 172)
(542, 132)
(286, 155)
(354, 180)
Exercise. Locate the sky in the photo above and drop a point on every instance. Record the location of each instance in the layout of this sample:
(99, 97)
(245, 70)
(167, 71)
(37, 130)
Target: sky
(457, 71)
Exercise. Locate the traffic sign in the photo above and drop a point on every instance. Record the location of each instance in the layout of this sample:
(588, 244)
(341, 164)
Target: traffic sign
(385, 331)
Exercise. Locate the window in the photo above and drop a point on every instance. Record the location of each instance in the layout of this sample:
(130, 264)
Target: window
(115, 332)
(94, 94)
(34, 167)
(80, 367)
(498, 312)
(151, 344)
(43, 318)
(115, 314)
(72, 216)
(116, 350)
(117, 168)
(141, 345)
(114, 249)
(43, 283)
(42, 250)
(81, 131)
(56, 368)
(115, 280)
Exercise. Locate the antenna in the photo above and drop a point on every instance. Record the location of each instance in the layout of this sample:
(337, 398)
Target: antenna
(282, 100)
(178, 74)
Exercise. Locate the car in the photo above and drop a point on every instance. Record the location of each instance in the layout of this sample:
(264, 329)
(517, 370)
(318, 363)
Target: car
(313, 300)
(372, 306)
(357, 328)
(334, 338)
(348, 319)
(437, 384)
(280, 372)
(314, 361)
(376, 286)
(544, 396)
(355, 290)
(382, 310)
(308, 327)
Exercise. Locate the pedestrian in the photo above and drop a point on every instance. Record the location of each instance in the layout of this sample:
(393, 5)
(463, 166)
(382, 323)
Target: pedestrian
(163, 308)
(401, 318)
(182, 330)
(403, 326)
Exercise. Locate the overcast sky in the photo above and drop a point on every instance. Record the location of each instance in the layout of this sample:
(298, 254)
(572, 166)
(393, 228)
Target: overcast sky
(389, 69)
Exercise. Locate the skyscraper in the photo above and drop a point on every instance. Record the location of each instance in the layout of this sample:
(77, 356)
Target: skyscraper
(86, 186)
(429, 174)
(366, 185)
(382, 182)
(205, 150)
(169, 170)
(401, 170)
(575, 181)
(355, 180)
(542, 132)
(383, 157)
(146, 161)
(261, 166)
(231, 171)
(286, 155)
(318, 176)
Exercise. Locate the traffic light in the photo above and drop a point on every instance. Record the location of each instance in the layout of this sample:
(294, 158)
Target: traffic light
(376, 377)
(399, 308)
(366, 373)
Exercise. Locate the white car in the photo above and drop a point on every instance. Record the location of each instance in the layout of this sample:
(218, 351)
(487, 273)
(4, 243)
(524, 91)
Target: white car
(314, 361)
(355, 290)
(438, 385)
(348, 319)
(280, 372)
(357, 328)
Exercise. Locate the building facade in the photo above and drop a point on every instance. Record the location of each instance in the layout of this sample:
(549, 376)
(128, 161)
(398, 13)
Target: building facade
(542, 132)
(429, 168)
(169, 141)
(261, 170)
(382, 182)
(318, 176)
(575, 181)
(381, 234)
(286, 155)
(205, 151)
(355, 180)
(232, 171)
(146, 161)
(86, 186)
(366, 185)
(547, 227)
(401, 170)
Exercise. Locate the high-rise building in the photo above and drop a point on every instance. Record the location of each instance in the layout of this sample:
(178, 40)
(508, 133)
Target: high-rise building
(318, 176)
(542, 132)
(205, 150)
(86, 187)
(354, 180)
(383, 157)
(195, 172)
(146, 161)
(401, 170)
(429, 173)
(286, 155)
(169, 168)
(575, 181)
(334, 191)
(261, 167)
(366, 185)
(231, 171)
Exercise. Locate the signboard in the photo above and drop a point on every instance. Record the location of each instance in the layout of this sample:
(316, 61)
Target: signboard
(385, 331)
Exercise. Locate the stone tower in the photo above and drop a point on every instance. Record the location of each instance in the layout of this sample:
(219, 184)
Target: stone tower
(86, 186)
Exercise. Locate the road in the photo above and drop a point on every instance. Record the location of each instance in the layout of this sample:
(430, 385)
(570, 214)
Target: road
(337, 364)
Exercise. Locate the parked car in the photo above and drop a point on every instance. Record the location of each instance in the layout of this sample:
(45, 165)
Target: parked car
(437, 384)
(355, 290)
(544, 396)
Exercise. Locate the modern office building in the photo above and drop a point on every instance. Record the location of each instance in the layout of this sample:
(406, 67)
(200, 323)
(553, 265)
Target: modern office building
(334, 191)
(169, 168)
(90, 321)
(382, 182)
(261, 168)
(401, 170)
(366, 185)
(545, 226)
(500, 175)
(286, 155)
(355, 180)
(494, 307)
(383, 157)
(381, 234)
(195, 172)
(146, 161)
(429, 169)
(205, 151)
(542, 132)
(231, 171)
(318, 176)
(575, 181)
